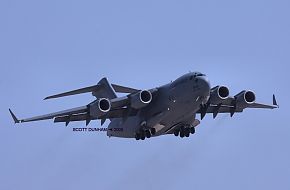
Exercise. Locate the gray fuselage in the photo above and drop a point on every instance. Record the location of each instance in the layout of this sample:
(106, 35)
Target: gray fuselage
(175, 103)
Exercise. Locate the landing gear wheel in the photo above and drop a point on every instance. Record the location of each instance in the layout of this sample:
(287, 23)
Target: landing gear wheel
(153, 131)
(148, 134)
(142, 135)
(176, 133)
(192, 130)
(182, 134)
(187, 132)
(137, 136)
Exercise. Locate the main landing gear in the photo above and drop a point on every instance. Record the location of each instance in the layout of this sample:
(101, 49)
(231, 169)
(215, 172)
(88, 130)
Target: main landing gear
(145, 133)
(184, 131)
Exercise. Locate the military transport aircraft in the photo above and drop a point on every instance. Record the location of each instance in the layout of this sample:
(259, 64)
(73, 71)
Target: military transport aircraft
(168, 109)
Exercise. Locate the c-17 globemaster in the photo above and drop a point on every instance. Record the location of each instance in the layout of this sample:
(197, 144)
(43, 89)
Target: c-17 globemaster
(168, 109)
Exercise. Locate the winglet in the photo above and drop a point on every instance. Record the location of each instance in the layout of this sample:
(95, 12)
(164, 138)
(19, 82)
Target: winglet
(275, 101)
(14, 117)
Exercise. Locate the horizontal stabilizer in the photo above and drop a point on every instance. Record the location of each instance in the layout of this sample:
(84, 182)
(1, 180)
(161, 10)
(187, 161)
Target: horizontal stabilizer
(123, 89)
(102, 89)
(75, 92)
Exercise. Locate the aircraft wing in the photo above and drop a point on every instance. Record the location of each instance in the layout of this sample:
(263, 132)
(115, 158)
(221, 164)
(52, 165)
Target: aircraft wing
(120, 106)
(77, 110)
(77, 114)
(118, 113)
(229, 106)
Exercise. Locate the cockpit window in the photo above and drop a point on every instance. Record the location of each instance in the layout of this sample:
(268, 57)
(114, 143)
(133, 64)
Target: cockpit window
(199, 74)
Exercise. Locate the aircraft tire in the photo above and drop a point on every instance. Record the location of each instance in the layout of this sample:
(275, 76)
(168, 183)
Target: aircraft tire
(187, 132)
(192, 130)
(176, 133)
(142, 135)
(182, 134)
(153, 131)
(137, 136)
(148, 134)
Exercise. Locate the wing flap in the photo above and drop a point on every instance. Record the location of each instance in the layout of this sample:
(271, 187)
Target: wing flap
(78, 117)
(221, 109)
(119, 113)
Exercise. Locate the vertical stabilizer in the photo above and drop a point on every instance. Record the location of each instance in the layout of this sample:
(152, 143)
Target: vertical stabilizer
(105, 91)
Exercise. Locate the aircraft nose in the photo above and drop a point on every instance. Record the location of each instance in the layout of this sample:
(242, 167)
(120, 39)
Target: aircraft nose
(204, 84)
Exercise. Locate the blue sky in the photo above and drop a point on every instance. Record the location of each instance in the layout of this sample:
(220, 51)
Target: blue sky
(54, 46)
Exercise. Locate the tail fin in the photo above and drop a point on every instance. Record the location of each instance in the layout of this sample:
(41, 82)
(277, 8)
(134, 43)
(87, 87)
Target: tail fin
(102, 90)
(105, 91)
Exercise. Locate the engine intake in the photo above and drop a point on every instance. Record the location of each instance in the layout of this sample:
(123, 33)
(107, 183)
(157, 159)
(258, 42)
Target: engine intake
(250, 97)
(219, 94)
(141, 99)
(245, 98)
(100, 107)
(104, 105)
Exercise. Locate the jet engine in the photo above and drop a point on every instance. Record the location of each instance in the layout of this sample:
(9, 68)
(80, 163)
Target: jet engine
(100, 107)
(141, 99)
(245, 98)
(218, 94)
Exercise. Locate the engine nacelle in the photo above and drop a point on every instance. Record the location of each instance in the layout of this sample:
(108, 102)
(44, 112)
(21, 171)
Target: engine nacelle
(100, 107)
(219, 94)
(245, 98)
(141, 99)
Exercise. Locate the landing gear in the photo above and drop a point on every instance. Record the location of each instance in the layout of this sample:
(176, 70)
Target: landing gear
(142, 134)
(153, 131)
(184, 131)
(137, 136)
(176, 133)
(148, 134)
(192, 130)
(142, 137)
(182, 134)
(187, 132)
